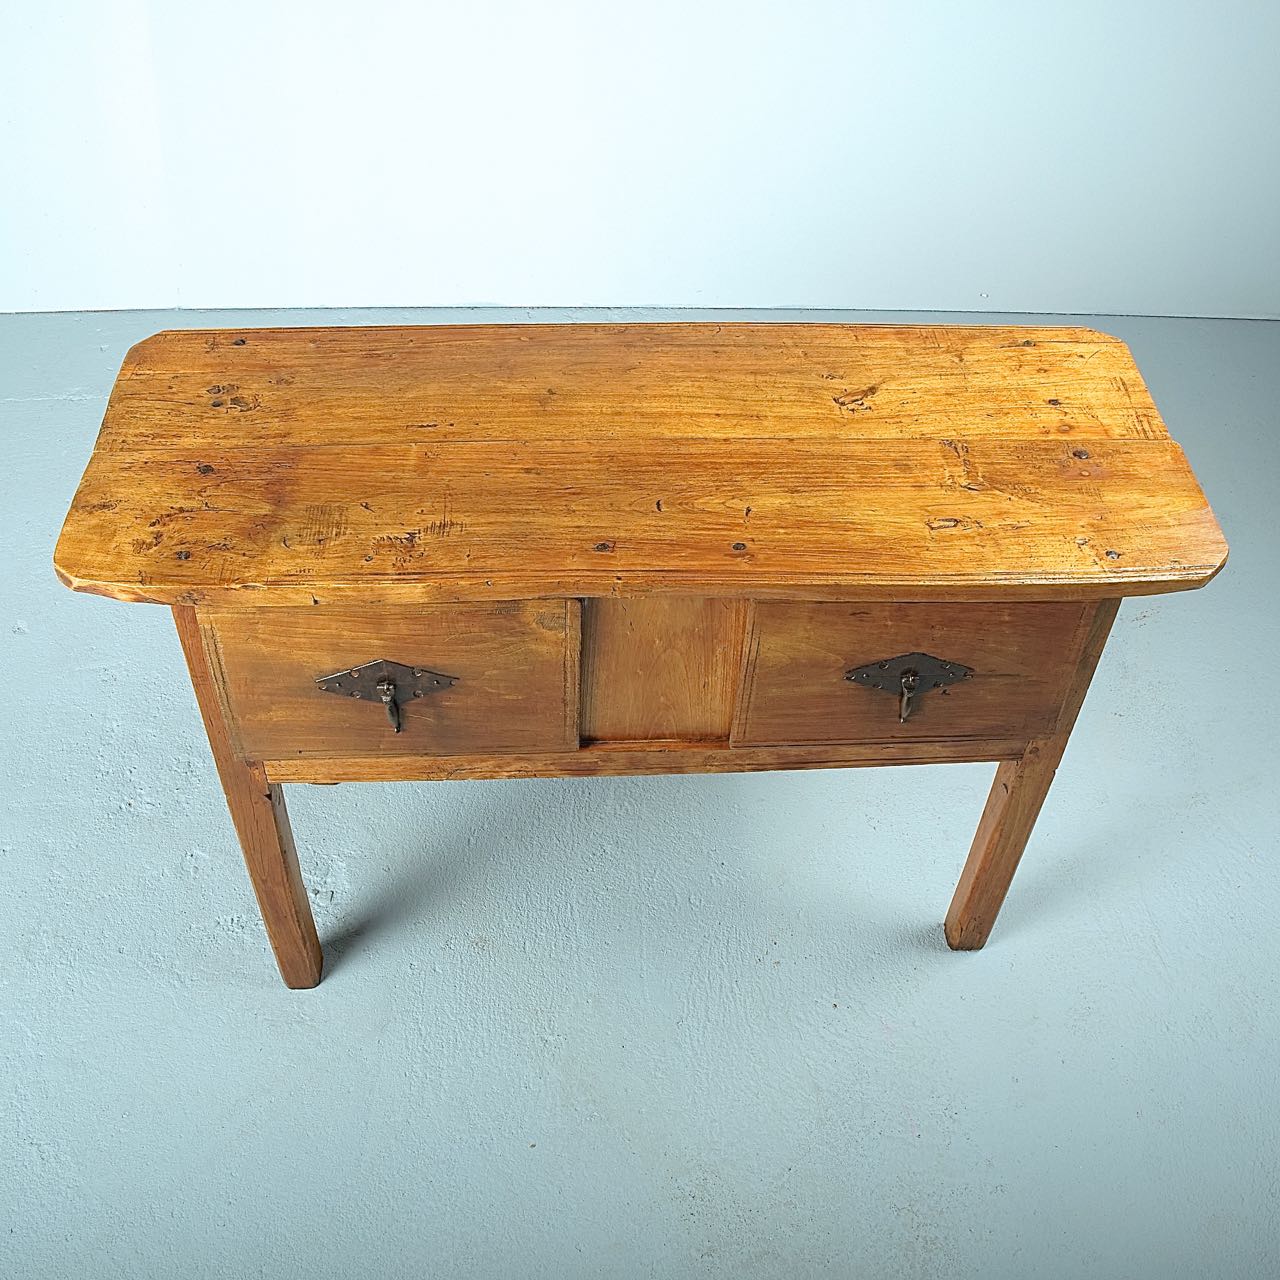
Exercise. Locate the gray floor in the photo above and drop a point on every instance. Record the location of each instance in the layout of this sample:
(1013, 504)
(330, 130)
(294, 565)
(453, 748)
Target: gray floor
(641, 1028)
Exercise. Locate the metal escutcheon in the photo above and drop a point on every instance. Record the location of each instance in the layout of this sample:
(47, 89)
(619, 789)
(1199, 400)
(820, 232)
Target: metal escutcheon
(908, 677)
(393, 684)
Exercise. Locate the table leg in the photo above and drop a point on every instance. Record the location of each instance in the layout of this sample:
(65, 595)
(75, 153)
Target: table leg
(261, 822)
(1014, 804)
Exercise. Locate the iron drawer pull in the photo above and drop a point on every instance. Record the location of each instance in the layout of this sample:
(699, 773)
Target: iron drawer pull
(390, 683)
(908, 676)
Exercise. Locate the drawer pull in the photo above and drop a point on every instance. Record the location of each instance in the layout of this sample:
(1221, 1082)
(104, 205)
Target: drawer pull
(908, 677)
(391, 683)
(909, 682)
(387, 692)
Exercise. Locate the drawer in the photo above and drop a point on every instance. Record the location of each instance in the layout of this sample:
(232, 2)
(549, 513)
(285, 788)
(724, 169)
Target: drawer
(513, 684)
(1021, 658)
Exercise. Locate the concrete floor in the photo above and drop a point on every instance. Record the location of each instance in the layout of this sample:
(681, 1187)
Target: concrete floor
(641, 1028)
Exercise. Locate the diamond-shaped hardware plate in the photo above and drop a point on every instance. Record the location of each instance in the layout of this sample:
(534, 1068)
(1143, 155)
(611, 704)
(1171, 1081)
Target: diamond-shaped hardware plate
(363, 681)
(931, 672)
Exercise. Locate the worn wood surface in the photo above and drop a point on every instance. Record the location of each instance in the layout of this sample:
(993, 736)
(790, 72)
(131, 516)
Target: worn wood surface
(261, 823)
(400, 465)
(516, 665)
(598, 382)
(606, 759)
(1017, 795)
(660, 667)
(1022, 657)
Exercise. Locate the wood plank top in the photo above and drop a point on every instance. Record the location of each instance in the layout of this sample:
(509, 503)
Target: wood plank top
(285, 466)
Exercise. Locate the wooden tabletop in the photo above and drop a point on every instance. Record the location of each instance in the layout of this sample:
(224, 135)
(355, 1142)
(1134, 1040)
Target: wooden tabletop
(297, 466)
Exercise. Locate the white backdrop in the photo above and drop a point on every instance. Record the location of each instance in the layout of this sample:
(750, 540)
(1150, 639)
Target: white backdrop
(1098, 156)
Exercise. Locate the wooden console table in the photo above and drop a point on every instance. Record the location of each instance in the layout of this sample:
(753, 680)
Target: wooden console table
(532, 550)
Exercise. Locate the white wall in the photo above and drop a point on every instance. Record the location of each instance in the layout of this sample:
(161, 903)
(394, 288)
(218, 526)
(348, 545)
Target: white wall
(1093, 156)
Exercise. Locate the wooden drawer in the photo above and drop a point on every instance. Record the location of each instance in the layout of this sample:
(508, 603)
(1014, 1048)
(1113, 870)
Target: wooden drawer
(794, 691)
(515, 666)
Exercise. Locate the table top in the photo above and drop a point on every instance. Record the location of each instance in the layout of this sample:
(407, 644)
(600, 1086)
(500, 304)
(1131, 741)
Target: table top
(298, 466)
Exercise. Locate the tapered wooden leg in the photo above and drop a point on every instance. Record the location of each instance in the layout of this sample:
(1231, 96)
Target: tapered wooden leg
(258, 812)
(1014, 804)
(1012, 808)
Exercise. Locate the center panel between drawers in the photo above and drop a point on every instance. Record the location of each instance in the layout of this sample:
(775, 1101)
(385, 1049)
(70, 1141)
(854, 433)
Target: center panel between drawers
(661, 669)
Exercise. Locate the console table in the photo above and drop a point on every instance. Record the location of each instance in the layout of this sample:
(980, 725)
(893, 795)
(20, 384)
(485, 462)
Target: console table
(549, 550)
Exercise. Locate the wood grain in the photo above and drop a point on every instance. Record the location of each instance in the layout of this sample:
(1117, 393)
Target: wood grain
(591, 382)
(910, 519)
(638, 758)
(1021, 655)
(516, 666)
(660, 668)
(261, 823)
(1017, 794)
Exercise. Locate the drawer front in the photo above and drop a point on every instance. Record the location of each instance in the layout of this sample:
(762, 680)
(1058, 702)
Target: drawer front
(514, 670)
(1021, 658)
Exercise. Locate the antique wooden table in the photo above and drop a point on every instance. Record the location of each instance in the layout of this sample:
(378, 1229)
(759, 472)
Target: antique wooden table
(532, 550)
